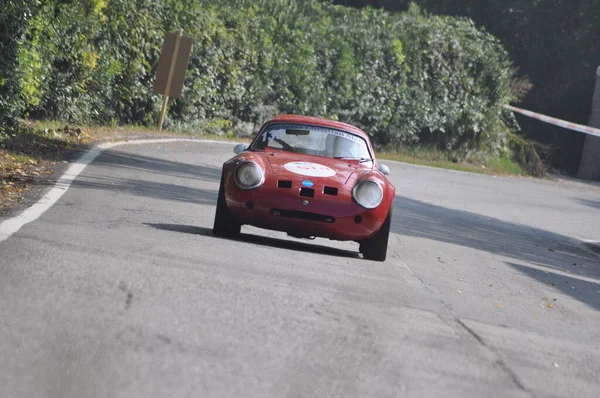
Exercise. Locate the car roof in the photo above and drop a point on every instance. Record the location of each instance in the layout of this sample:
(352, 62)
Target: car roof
(319, 122)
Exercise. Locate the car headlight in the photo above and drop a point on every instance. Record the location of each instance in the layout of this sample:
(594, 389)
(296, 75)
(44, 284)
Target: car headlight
(248, 175)
(368, 194)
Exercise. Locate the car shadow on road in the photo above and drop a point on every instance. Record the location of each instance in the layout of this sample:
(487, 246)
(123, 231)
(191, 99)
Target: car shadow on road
(581, 290)
(148, 189)
(259, 240)
(591, 203)
(558, 254)
(148, 186)
(186, 229)
(158, 166)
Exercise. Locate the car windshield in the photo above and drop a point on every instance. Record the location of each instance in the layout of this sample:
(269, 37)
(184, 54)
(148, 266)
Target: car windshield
(313, 140)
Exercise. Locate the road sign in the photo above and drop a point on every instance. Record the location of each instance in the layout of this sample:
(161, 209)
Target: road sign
(172, 65)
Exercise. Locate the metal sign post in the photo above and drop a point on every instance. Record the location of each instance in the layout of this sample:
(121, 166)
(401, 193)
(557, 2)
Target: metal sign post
(169, 77)
(172, 65)
(589, 168)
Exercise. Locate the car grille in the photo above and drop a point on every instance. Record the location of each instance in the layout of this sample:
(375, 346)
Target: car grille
(330, 191)
(302, 215)
(307, 192)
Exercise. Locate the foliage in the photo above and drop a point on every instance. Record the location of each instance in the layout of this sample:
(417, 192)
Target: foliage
(405, 78)
(452, 161)
(556, 45)
(526, 154)
(14, 17)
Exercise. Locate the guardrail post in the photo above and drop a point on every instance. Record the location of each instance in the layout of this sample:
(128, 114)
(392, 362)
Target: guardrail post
(589, 168)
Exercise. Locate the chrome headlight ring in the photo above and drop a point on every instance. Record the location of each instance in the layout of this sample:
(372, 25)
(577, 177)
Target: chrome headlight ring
(248, 175)
(368, 194)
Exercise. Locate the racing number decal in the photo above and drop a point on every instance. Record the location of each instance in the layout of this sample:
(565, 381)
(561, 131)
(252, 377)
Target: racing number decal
(309, 169)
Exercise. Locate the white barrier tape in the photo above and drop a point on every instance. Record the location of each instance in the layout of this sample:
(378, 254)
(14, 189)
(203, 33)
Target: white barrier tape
(557, 122)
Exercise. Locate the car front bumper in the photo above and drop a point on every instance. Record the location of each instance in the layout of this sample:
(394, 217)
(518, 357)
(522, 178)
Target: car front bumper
(334, 218)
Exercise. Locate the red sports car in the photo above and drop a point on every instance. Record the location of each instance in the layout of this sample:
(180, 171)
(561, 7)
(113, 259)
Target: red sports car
(309, 177)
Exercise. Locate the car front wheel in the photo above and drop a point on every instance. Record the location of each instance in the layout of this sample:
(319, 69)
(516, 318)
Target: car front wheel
(375, 248)
(225, 225)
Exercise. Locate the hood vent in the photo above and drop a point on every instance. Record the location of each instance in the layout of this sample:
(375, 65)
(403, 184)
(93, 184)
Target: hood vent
(284, 184)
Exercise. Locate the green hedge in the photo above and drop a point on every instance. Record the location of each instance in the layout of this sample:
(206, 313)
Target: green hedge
(405, 78)
(13, 22)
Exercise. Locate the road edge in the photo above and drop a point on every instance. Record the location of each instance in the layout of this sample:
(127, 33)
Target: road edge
(11, 225)
(592, 245)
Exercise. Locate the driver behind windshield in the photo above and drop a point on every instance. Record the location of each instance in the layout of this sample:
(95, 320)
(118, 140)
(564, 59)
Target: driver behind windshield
(307, 140)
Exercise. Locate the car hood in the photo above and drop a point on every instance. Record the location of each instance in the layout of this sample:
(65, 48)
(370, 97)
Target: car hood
(294, 166)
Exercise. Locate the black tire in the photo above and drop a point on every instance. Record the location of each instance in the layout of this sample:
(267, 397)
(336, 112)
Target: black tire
(225, 225)
(375, 248)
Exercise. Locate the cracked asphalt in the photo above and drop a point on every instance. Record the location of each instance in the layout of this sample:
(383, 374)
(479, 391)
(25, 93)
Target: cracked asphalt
(120, 290)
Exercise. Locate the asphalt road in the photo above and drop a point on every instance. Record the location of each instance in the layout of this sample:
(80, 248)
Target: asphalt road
(120, 290)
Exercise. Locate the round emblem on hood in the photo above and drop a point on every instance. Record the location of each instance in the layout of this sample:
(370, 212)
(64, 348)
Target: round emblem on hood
(310, 169)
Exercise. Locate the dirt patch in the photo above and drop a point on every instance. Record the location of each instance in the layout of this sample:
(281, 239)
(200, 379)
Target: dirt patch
(30, 159)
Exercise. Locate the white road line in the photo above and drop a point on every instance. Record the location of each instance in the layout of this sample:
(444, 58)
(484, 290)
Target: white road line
(12, 225)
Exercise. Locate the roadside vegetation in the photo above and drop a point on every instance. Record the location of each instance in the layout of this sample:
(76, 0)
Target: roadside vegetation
(503, 166)
(555, 44)
(418, 84)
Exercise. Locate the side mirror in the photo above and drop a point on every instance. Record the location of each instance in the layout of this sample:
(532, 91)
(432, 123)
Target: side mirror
(240, 148)
(384, 169)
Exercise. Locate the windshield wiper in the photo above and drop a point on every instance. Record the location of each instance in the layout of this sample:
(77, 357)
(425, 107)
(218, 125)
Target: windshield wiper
(362, 160)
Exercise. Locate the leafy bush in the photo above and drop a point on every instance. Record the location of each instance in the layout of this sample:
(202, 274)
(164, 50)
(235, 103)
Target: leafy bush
(407, 79)
(14, 17)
